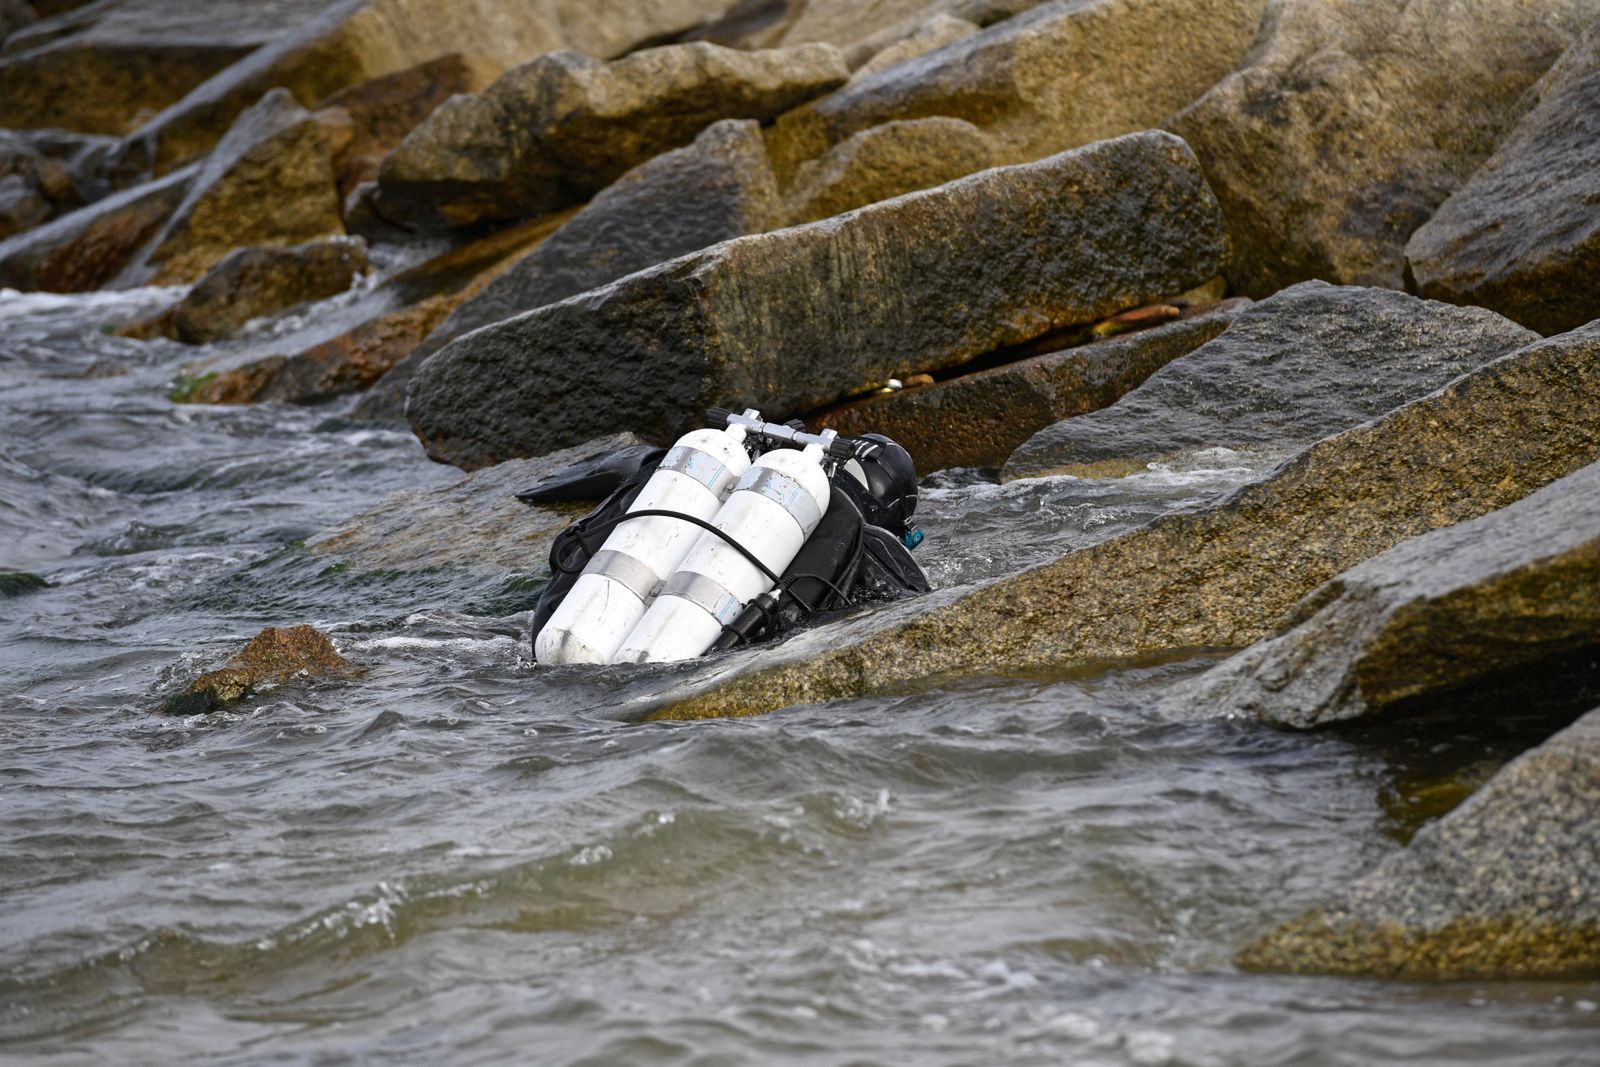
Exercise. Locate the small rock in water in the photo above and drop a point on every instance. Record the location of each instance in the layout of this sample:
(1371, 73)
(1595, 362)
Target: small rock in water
(273, 657)
(18, 583)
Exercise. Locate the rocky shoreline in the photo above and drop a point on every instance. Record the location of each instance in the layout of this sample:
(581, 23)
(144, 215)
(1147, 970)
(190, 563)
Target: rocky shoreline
(1359, 240)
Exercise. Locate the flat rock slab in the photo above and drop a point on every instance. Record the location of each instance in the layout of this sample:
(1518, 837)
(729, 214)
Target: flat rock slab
(1523, 235)
(1350, 123)
(552, 132)
(251, 283)
(887, 161)
(1061, 75)
(1307, 362)
(475, 521)
(978, 420)
(1501, 888)
(90, 247)
(1436, 614)
(796, 319)
(1223, 576)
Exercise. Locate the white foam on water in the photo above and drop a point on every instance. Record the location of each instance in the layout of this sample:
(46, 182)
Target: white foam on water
(17, 305)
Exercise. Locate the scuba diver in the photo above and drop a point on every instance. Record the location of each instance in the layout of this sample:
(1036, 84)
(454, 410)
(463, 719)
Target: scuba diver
(735, 534)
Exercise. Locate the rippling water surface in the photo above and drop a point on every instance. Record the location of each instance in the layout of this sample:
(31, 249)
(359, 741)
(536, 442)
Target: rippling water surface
(457, 857)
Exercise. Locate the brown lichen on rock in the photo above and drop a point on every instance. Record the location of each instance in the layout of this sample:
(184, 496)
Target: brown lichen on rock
(273, 657)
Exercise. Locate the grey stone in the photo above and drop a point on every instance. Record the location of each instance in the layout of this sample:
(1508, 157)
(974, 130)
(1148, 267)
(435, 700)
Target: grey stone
(555, 130)
(1523, 235)
(1350, 123)
(1309, 361)
(1219, 577)
(1501, 888)
(887, 161)
(1433, 615)
(935, 33)
(794, 319)
(252, 282)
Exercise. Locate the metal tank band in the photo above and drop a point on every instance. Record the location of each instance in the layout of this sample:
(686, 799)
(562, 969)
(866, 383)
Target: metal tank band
(784, 491)
(703, 467)
(705, 593)
(622, 568)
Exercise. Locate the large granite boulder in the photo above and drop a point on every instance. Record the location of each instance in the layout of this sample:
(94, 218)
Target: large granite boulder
(935, 33)
(350, 42)
(101, 68)
(979, 419)
(557, 129)
(1350, 123)
(269, 182)
(1219, 577)
(887, 161)
(1311, 360)
(253, 282)
(717, 188)
(1062, 75)
(1501, 888)
(89, 248)
(1523, 235)
(795, 319)
(1434, 615)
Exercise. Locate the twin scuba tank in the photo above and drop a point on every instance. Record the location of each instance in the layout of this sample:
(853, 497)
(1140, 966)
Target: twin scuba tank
(662, 588)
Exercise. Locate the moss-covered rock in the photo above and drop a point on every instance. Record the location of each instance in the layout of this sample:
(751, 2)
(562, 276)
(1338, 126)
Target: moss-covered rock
(272, 657)
(1221, 577)
(1501, 888)
(20, 583)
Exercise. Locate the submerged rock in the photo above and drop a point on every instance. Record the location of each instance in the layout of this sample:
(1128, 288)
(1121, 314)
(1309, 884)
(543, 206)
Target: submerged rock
(795, 319)
(561, 127)
(1501, 888)
(887, 161)
(977, 420)
(476, 520)
(272, 657)
(1062, 75)
(1221, 577)
(1309, 361)
(1350, 123)
(252, 282)
(269, 182)
(1523, 235)
(20, 583)
(90, 247)
(1438, 613)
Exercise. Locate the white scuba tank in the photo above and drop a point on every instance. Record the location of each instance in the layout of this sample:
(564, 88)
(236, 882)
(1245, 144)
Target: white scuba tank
(619, 582)
(773, 509)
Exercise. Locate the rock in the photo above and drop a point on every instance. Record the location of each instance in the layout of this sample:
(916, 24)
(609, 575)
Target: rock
(357, 358)
(14, 15)
(1522, 236)
(476, 521)
(749, 24)
(1219, 577)
(978, 419)
(90, 247)
(792, 320)
(21, 206)
(104, 68)
(1061, 75)
(1501, 888)
(252, 282)
(20, 583)
(383, 110)
(887, 161)
(1350, 123)
(1310, 361)
(935, 33)
(33, 186)
(271, 658)
(1436, 614)
(269, 182)
(555, 130)
(842, 22)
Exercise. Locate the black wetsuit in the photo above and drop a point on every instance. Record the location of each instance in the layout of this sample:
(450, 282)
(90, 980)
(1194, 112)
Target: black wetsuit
(845, 561)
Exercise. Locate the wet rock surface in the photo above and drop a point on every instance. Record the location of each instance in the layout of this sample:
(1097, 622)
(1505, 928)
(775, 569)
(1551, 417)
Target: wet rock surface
(271, 658)
(91, 247)
(1500, 888)
(979, 419)
(1434, 615)
(1221, 578)
(269, 182)
(1061, 75)
(557, 129)
(887, 161)
(794, 319)
(1306, 362)
(1522, 236)
(1349, 124)
(33, 186)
